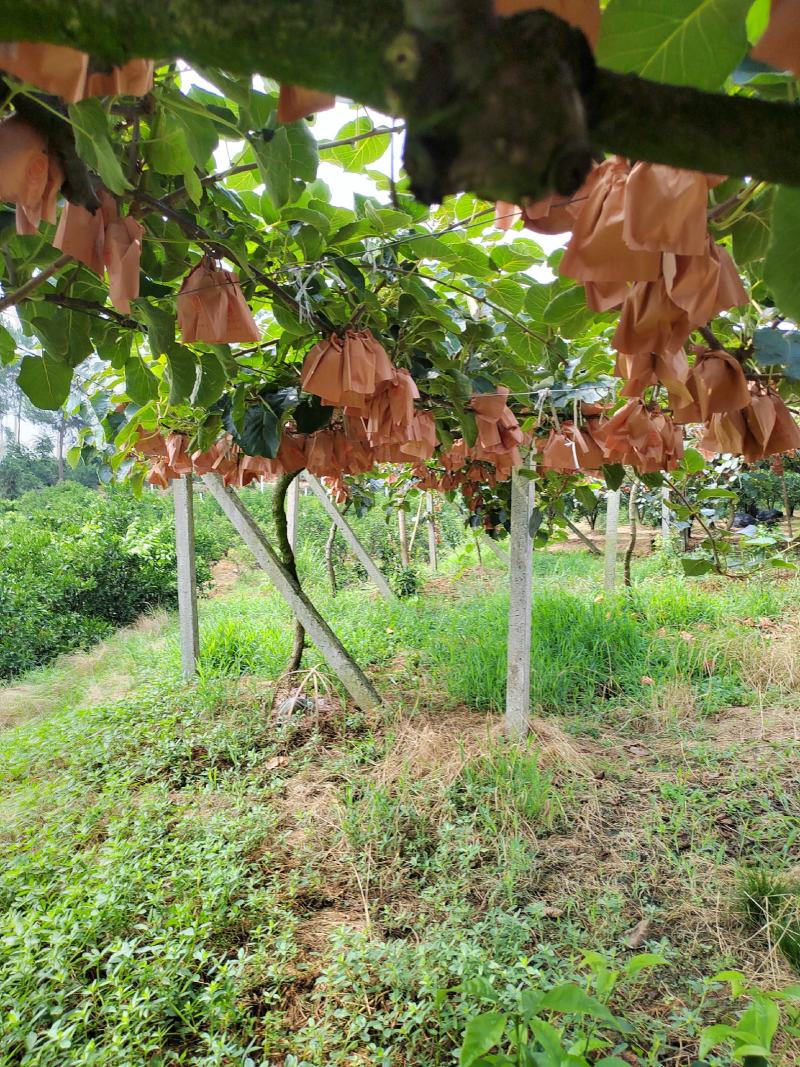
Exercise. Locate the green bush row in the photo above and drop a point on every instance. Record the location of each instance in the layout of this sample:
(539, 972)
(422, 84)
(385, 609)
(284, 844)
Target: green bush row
(76, 562)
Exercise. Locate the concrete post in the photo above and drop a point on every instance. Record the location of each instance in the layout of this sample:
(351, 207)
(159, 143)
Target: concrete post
(355, 545)
(498, 550)
(612, 534)
(518, 681)
(403, 537)
(666, 516)
(334, 653)
(187, 581)
(431, 530)
(292, 503)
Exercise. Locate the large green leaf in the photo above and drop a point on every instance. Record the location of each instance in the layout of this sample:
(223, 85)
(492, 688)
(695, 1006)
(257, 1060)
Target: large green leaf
(275, 163)
(778, 348)
(211, 381)
(182, 372)
(780, 270)
(260, 435)
(93, 143)
(683, 42)
(8, 347)
(45, 381)
(167, 148)
(482, 1033)
(356, 156)
(141, 384)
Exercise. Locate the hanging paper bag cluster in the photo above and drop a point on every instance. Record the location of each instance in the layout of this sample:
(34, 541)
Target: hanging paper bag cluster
(68, 73)
(104, 241)
(30, 175)
(212, 308)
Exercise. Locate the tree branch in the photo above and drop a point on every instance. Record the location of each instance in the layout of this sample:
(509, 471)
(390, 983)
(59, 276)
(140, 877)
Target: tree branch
(287, 558)
(11, 299)
(735, 135)
(471, 121)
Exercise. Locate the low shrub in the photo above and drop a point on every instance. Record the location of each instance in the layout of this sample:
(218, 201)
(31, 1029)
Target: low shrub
(75, 563)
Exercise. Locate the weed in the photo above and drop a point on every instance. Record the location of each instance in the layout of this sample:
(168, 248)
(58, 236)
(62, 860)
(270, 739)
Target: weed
(771, 904)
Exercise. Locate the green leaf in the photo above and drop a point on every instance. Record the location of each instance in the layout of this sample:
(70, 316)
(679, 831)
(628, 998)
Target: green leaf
(8, 347)
(572, 999)
(141, 384)
(201, 136)
(757, 19)
(275, 164)
(193, 186)
(211, 381)
(93, 143)
(644, 962)
(182, 372)
(778, 348)
(166, 149)
(260, 434)
(751, 235)
(537, 517)
(385, 219)
(585, 497)
(568, 311)
(614, 475)
(695, 567)
(523, 343)
(469, 427)
(693, 461)
(45, 381)
(311, 415)
(682, 42)
(160, 327)
(517, 256)
(303, 145)
(482, 1033)
(508, 294)
(780, 269)
(361, 154)
(74, 455)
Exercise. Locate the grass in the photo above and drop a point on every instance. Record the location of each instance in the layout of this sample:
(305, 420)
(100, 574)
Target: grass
(189, 878)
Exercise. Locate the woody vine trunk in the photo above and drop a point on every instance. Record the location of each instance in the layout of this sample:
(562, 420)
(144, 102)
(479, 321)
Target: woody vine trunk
(287, 558)
(464, 79)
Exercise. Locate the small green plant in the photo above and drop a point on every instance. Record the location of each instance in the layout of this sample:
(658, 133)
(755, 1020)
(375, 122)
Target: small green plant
(771, 903)
(562, 1025)
(749, 1041)
(406, 582)
(232, 648)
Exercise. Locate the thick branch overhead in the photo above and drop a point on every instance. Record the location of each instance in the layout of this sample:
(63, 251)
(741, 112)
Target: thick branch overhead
(448, 82)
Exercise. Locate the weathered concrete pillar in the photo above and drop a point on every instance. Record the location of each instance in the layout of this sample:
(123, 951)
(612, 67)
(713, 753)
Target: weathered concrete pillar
(518, 680)
(666, 516)
(431, 519)
(402, 534)
(612, 536)
(498, 550)
(187, 581)
(353, 542)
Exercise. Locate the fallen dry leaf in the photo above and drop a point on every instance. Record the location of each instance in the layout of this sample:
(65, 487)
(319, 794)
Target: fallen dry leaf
(636, 936)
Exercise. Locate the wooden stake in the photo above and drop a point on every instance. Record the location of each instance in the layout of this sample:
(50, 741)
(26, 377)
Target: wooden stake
(518, 682)
(336, 656)
(187, 580)
(356, 547)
